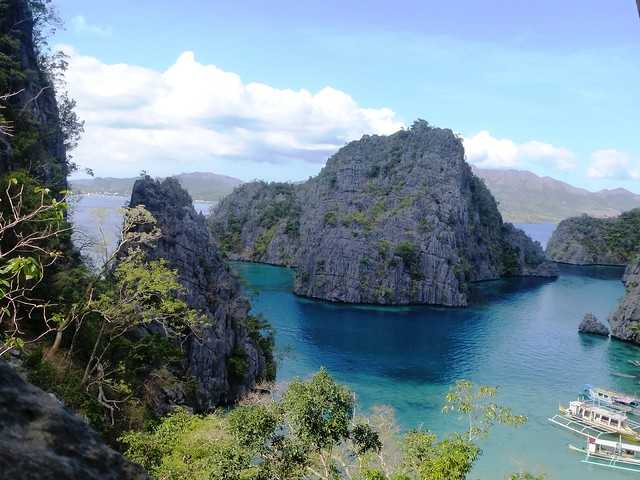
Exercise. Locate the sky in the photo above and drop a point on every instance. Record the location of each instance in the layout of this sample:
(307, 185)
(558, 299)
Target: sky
(270, 90)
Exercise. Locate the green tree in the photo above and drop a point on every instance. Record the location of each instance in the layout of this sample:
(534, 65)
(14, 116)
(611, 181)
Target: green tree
(31, 222)
(476, 405)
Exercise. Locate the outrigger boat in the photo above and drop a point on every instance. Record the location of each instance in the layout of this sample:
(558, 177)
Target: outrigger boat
(596, 418)
(611, 453)
(612, 399)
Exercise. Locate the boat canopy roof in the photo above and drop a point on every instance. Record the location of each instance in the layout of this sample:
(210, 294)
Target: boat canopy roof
(620, 397)
(617, 444)
(601, 410)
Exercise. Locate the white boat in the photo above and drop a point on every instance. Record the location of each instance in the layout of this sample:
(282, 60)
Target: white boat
(613, 399)
(601, 418)
(611, 453)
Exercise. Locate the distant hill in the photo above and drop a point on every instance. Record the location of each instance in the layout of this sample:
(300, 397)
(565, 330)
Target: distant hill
(202, 186)
(524, 197)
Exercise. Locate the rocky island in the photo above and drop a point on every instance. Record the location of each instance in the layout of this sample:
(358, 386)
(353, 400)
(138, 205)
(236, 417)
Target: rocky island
(586, 240)
(392, 220)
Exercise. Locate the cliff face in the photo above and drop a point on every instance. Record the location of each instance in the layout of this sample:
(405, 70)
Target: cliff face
(625, 320)
(41, 439)
(211, 289)
(396, 219)
(38, 142)
(586, 240)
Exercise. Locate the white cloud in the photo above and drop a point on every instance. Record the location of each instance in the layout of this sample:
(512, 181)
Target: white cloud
(80, 25)
(487, 151)
(199, 116)
(613, 164)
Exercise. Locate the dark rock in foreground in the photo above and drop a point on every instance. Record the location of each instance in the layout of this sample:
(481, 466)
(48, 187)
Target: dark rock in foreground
(210, 289)
(397, 219)
(40, 439)
(591, 324)
(625, 320)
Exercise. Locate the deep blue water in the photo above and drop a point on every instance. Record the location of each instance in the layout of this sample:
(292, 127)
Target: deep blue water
(518, 334)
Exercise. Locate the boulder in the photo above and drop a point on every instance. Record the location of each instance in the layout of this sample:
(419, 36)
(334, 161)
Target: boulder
(41, 439)
(591, 324)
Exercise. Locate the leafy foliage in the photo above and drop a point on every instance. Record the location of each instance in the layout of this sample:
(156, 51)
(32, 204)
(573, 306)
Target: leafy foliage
(310, 433)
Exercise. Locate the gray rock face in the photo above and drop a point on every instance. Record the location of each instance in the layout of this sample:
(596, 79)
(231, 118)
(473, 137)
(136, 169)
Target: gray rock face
(590, 324)
(586, 240)
(626, 318)
(34, 99)
(42, 440)
(397, 219)
(211, 289)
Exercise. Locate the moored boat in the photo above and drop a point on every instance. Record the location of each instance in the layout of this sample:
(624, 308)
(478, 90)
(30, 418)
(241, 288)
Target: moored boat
(612, 453)
(601, 418)
(612, 399)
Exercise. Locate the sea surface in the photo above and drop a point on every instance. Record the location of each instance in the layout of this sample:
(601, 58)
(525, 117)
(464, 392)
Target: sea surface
(520, 335)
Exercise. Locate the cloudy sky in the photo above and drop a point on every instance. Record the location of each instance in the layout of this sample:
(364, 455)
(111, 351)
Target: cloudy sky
(269, 90)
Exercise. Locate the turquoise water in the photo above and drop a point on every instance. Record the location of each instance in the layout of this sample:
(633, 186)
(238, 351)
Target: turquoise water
(518, 334)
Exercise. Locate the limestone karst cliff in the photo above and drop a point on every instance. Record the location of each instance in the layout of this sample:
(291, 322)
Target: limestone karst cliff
(38, 141)
(587, 240)
(228, 358)
(625, 320)
(397, 219)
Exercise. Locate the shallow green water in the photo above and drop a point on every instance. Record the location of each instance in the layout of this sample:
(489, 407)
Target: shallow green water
(518, 334)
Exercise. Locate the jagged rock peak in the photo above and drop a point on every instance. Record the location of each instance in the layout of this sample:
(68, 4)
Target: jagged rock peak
(43, 440)
(211, 289)
(396, 219)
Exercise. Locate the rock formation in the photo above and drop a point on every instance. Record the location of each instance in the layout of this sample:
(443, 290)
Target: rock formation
(42, 440)
(586, 240)
(591, 324)
(397, 219)
(39, 143)
(625, 320)
(227, 360)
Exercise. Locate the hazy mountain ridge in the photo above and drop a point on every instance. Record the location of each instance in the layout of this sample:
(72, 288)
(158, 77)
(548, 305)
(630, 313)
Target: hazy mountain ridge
(525, 197)
(202, 186)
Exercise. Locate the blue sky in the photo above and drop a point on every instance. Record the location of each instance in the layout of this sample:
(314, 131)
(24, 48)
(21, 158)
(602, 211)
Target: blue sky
(549, 86)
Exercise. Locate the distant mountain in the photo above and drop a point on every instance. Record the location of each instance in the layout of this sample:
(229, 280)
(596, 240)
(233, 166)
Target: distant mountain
(524, 197)
(202, 186)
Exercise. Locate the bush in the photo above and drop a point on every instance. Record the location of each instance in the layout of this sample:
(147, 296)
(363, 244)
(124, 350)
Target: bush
(408, 252)
(330, 219)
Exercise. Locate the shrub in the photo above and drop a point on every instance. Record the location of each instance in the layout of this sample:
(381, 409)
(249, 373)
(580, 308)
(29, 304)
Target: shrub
(330, 219)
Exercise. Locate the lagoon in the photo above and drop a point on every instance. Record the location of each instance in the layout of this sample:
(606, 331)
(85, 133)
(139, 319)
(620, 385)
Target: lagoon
(519, 334)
